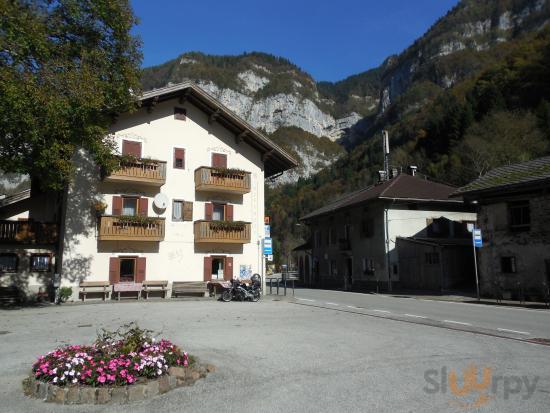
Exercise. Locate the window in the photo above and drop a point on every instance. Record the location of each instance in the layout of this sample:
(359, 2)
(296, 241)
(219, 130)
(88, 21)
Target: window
(367, 227)
(432, 258)
(40, 262)
(131, 148)
(129, 206)
(333, 268)
(180, 113)
(218, 212)
(177, 210)
(332, 236)
(347, 232)
(520, 216)
(368, 266)
(508, 265)
(179, 158)
(317, 238)
(127, 269)
(8, 263)
(219, 160)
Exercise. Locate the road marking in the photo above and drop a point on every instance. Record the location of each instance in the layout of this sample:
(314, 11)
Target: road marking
(305, 299)
(456, 322)
(514, 331)
(415, 316)
(382, 311)
(331, 304)
(353, 307)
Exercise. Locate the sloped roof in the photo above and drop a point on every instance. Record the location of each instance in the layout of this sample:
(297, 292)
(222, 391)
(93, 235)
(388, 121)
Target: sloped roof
(402, 187)
(275, 158)
(510, 177)
(12, 199)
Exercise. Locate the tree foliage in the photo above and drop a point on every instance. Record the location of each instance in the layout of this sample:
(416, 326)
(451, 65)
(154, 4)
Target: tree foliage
(67, 68)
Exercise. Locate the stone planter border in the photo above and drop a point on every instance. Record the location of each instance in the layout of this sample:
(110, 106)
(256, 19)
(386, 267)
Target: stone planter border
(176, 377)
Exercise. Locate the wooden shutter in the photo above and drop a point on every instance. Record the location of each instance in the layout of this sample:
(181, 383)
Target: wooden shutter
(143, 206)
(208, 211)
(131, 148)
(188, 211)
(140, 270)
(229, 212)
(117, 205)
(114, 270)
(219, 160)
(228, 270)
(207, 268)
(179, 154)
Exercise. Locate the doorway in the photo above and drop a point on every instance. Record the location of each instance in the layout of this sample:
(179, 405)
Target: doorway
(127, 269)
(349, 273)
(218, 268)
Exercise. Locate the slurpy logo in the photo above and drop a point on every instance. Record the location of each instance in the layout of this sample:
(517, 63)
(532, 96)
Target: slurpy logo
(477, 388)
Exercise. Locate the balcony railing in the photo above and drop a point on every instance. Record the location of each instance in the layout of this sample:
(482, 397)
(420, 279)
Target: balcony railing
(113, 228)
(143, 171)
(222, 180)
(222, 232)
(28, 232)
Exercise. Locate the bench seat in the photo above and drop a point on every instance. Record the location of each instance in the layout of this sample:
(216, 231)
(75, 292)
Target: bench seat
(101, 287)
(189, 287)
(155, 285)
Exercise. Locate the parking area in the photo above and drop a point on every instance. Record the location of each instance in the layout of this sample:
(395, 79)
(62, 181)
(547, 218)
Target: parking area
(278, 356)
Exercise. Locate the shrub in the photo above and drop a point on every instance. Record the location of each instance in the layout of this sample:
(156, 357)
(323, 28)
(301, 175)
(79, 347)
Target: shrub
(118, 358)
(65, 293)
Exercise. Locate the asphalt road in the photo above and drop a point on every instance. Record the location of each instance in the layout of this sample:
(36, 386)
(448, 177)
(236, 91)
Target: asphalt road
(282, 356)
(506, 321)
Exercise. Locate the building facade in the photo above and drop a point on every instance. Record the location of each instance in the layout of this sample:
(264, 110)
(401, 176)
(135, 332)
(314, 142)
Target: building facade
(354, 239)
(514, 217)
(185, 204)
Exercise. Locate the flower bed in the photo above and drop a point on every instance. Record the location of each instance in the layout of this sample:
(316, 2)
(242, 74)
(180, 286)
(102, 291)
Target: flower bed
(126, 358)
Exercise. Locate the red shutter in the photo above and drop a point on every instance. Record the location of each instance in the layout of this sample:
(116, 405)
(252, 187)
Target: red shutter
(207, 268)
(229, 212)
(143, 206)
(140, 273)
(114, 270)
(208, 211)
(219, 160)
(179, 154)
(228, 270)
(117, 205)
(131, 148)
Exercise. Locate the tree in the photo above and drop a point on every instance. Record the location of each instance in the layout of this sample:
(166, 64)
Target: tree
(67, 68)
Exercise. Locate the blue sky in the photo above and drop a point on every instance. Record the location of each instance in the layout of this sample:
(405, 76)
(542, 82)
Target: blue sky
(329, 39)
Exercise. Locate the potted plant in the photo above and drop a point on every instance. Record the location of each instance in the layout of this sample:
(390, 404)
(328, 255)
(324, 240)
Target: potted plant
(99, 207)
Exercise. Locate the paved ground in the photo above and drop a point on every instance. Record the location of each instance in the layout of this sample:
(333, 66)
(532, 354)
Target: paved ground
(281, 356)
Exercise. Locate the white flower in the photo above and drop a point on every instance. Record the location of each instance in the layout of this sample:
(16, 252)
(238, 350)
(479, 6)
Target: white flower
(55, 380)
(75, 380)
(71, 373)
(159, 372)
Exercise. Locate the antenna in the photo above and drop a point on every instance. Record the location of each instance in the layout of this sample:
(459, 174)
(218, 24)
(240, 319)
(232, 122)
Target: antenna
(386, 150)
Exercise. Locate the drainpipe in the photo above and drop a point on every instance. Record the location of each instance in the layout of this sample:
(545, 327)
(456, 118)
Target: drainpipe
(387, 246)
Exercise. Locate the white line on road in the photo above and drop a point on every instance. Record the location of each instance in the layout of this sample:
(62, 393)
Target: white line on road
(331, 304)
(382, 311)
(305, 299)
(456, 322)
(514, 331)
(415, 316)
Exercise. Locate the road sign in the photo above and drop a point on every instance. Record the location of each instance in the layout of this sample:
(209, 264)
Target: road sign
(270, 258)
(268, 246)
(478, 241)
(267, 231)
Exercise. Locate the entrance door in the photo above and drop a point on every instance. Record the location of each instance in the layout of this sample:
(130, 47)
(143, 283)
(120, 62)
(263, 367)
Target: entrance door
(127, 269)
(218, 267)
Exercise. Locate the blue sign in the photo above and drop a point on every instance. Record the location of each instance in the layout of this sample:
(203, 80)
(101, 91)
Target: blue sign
(478, 241)
(268, 246)
(267, 231)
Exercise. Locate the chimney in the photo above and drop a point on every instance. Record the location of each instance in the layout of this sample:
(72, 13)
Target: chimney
(412, 170)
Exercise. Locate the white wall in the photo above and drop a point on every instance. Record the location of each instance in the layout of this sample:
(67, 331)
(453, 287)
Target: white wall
(177, 258)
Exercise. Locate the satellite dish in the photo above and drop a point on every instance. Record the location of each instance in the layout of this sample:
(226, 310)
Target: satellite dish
(160, 201)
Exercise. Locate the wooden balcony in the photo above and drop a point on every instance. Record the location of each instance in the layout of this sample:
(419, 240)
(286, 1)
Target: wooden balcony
(113, 228)
(140, 171)
(220, 180)
(28, 232)
(214, 232)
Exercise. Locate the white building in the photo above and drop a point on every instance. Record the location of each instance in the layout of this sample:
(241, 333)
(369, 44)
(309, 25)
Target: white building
(354, 238)
(187, 203)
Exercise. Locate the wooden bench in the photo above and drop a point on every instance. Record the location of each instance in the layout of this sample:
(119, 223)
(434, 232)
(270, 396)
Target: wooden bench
(155, 285)
(101, 287)
(128, 287)
(189, 287)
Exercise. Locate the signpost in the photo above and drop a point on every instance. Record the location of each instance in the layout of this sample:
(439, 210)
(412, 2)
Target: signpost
(477, 242)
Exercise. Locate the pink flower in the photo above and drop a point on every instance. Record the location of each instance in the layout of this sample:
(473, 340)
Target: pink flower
(101, 379)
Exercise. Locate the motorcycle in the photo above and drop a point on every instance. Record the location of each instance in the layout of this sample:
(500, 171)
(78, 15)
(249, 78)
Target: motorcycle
(242, 292)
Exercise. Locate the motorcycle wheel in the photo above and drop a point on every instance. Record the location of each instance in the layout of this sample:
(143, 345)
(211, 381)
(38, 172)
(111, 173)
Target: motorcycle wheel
(256, 296)
(226, 296)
